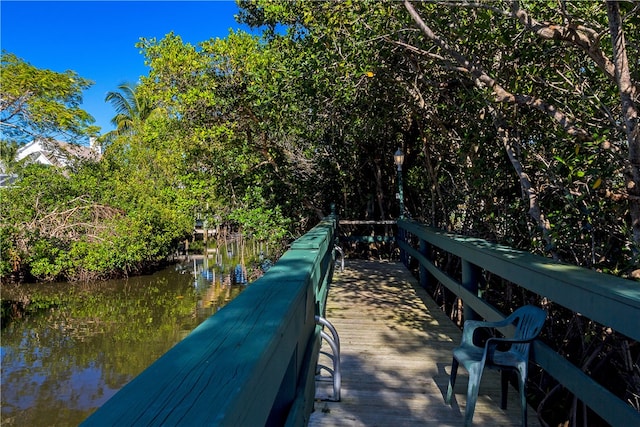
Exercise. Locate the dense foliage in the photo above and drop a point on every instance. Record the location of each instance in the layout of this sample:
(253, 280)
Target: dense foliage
(516, 119)
(69, 227)
(511, 115)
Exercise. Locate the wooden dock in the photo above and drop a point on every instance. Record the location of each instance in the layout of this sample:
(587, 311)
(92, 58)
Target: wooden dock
(396, 356)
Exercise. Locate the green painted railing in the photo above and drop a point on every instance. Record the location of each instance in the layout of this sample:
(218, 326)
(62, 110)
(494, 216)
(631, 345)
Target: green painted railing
(252, 363)
(608, 300)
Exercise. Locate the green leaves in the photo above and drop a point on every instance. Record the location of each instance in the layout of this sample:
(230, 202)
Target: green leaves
(132, 110)
(90, 224)
(43, 103)
(256, 220)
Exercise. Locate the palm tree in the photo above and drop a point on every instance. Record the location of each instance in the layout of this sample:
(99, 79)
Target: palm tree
(132, 110)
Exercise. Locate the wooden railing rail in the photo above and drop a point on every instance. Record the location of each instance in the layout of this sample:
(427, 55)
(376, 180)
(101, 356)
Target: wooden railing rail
(608, 300)
(252, 363)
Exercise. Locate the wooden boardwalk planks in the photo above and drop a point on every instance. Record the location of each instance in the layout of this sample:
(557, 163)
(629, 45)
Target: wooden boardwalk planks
(396, 355)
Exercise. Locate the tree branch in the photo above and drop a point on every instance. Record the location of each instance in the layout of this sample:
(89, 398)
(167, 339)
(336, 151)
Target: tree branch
(630, 115)
(585, 38)
(502, 95)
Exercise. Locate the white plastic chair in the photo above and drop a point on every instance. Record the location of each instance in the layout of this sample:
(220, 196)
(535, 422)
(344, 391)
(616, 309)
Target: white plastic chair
(528, 321)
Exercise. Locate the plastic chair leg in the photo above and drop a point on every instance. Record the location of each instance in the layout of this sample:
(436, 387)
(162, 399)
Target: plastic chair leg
(504, 381)
(452, 381)
(475, 374)
(522, 378)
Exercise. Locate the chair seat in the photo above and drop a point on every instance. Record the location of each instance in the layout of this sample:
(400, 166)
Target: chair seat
(469, 355)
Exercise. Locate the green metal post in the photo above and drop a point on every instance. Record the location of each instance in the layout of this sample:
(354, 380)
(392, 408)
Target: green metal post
(402, 238)
(400, 192)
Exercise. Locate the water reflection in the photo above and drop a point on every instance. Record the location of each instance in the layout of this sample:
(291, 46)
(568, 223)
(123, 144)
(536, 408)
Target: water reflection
(60, 365)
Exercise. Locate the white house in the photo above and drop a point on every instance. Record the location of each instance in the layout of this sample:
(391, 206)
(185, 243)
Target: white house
(58, 153)
(51, 152)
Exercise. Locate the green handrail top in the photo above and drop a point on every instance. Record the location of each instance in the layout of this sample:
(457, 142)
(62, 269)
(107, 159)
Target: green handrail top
(317, 238)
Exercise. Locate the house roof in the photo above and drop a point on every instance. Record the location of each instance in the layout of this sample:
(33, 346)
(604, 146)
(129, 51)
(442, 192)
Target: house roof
(7, 180)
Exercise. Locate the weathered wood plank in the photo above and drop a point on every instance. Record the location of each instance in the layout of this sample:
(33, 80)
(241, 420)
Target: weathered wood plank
(396, 355)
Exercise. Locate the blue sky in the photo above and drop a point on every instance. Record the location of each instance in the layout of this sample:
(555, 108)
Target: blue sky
(97, 39)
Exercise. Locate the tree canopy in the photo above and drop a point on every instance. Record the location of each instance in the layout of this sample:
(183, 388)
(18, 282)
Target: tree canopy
(41, 103)
(518, 118)
(131, 109)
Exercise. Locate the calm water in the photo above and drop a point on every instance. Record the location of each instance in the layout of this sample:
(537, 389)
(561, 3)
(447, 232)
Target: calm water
(60, 365)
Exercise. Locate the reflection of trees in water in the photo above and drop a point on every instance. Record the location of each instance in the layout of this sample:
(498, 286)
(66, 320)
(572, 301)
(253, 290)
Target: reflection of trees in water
(215, 287)
(216, 273)
(87, 340)
(219, 294)
(60, 364)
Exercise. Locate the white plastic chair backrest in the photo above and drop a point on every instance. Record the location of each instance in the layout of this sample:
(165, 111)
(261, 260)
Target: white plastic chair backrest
(528, 322)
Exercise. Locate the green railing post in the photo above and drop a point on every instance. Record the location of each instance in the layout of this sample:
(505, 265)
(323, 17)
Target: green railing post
(425, 250)
(402, 237)
(470, 280)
